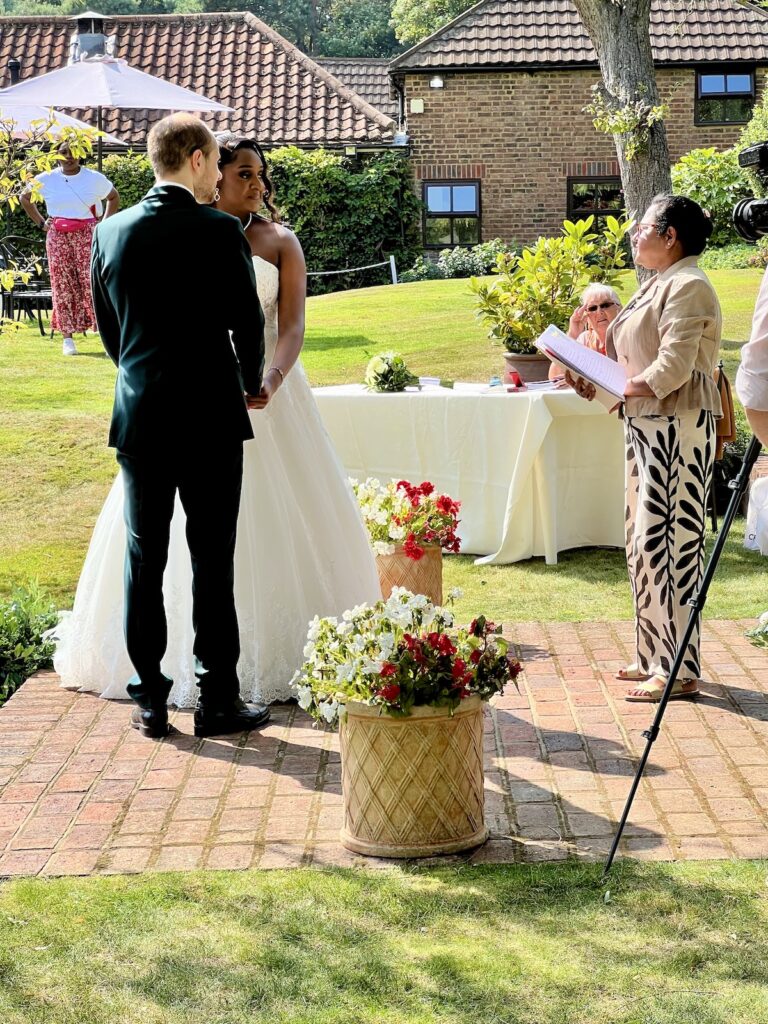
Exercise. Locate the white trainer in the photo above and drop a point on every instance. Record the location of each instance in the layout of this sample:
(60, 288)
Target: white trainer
(68, 348)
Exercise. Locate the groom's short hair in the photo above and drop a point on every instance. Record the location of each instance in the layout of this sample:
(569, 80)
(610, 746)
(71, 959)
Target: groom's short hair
(172, 141)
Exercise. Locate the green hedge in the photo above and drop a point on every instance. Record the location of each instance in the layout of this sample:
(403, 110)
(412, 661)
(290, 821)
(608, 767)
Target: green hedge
(345, 211)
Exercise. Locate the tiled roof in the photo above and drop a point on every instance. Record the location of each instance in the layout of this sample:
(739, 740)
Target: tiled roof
(544, 32)
(279, 94)
(368, 77)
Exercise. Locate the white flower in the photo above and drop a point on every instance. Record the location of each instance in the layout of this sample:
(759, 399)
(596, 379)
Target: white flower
(456, 593)
(372, 667)
(329, 710)
(309, 650)
(345, 672)
(313, 632)
(396, 532)
(381, 547)
(304, 697)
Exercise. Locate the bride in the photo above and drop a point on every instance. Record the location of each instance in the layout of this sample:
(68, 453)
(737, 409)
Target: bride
(302, 549)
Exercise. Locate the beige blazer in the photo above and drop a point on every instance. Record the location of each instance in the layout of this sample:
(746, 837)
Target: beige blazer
(669, 335)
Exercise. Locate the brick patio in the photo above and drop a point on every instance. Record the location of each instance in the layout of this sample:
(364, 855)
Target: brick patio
(81, 793)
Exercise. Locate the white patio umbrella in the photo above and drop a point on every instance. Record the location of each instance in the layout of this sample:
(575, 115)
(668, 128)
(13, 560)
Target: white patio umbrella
(105, 82)
(55, 120)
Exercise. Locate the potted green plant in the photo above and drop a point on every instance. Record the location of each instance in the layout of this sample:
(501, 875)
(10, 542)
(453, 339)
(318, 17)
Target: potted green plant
(542, 286)
(408, 690)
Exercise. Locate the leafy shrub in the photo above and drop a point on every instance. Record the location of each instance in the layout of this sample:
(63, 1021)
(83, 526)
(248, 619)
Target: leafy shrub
(24, 618)
(756, 130)
(422, 270)
(541, 286)
(715, 180)
(735, 256)
(131, 174)
(487, 253)
(460, 262)
(348, 212)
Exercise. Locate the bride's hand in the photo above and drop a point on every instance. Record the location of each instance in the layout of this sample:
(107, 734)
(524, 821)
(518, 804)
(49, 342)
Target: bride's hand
(268, 388)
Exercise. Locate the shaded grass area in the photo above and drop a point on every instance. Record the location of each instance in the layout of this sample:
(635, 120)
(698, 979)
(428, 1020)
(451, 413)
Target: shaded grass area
(55, 469)
(503, 945)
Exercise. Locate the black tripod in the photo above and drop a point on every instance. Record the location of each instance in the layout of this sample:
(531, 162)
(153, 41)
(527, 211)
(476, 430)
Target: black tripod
(697, 602)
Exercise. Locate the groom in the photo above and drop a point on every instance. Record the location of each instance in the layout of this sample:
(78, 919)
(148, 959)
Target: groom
(170, 279)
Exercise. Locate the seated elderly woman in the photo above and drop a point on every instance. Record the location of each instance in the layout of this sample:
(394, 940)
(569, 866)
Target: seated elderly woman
(589, 323)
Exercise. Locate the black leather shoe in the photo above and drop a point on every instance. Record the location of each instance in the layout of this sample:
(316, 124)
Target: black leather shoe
(237, 717)
(151, 722)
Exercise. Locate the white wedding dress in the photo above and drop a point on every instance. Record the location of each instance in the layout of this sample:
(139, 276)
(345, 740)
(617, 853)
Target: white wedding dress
(302, 550)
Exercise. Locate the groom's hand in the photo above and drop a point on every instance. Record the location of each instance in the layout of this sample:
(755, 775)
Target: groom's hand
(268, 388)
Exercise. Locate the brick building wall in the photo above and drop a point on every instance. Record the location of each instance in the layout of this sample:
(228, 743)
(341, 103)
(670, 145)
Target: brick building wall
(523, 134)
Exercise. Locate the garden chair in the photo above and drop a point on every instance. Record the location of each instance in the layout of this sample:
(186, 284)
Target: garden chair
(35, 297)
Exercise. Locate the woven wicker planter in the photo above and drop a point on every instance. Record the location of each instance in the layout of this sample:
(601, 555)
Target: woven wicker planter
(422, 577)
(413, 787)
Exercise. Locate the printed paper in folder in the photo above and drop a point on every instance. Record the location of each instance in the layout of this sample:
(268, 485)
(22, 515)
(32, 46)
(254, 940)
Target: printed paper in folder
(608, 376)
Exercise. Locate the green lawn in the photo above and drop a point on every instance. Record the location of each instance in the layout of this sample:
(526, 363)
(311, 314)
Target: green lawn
(55, 469)
(670, 944)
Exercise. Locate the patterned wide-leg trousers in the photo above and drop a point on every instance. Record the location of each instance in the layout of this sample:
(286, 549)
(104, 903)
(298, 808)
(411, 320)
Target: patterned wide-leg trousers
(668, 475)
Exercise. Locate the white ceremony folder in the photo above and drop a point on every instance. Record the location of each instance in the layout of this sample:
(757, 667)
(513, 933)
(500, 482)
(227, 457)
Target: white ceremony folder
(608, 376)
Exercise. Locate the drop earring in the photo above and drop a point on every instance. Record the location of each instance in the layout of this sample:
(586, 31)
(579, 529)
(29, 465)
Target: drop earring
(216, 194)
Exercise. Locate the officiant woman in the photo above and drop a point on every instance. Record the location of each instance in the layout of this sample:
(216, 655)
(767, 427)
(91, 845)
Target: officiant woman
(667, 337)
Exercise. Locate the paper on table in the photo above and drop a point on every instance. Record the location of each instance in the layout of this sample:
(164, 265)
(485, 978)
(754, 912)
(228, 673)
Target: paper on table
(608, 376)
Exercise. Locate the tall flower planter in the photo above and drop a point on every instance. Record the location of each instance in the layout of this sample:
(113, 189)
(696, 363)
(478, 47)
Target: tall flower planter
(413, 786)
(424, 576)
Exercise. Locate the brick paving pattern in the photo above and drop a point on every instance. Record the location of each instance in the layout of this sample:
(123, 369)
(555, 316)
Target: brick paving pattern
(81, 793)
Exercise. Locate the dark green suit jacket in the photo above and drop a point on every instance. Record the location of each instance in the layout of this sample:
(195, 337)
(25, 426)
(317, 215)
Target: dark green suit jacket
(170, 280)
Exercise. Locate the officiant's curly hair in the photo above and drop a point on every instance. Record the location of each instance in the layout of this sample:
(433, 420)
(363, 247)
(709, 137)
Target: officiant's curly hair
(173, 140)
(229, 144)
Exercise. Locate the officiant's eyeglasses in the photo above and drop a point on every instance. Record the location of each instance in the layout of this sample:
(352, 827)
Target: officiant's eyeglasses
(600, 305)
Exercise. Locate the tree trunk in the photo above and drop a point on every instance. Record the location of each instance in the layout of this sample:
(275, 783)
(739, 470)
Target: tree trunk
(620, 34)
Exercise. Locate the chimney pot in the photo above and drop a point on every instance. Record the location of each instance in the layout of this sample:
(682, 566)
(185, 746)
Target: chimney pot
(14, 70)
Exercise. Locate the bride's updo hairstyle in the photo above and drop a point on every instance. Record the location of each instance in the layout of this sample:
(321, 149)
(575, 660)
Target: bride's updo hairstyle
(229, 144)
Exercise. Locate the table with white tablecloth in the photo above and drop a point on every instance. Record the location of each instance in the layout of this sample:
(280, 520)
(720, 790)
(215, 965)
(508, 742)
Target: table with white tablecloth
(536, 472)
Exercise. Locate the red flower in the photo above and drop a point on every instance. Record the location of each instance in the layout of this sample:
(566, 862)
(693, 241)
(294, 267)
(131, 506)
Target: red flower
(475, 656)
(389, 692)
(388, 669)
(459, 669)
(514, 666)
(427, 487)
(444, 504)
(411, 548)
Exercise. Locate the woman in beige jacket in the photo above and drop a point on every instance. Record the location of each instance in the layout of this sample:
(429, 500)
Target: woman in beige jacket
(668, 338)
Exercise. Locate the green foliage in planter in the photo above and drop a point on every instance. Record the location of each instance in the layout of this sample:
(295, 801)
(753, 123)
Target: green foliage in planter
(348, 212)
(24, 618)
(715, 180)
(542, 285)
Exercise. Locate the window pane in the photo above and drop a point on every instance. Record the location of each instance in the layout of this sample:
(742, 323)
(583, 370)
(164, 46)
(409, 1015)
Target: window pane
(466, 230)
(465, 198)
(710, 111)
(738, 108)
(582, 195)
(739, 83)
(709, 84)
(438, 231)
(610, 196)
(439, 198)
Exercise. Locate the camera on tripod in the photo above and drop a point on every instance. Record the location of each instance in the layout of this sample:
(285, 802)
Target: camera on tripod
(750, 216)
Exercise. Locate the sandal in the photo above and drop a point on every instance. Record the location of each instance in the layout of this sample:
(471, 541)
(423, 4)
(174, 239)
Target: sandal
(653, 689)
(632, 674)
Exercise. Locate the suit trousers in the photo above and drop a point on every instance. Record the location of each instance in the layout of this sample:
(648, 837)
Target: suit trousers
(668, 477)
(208, 484)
